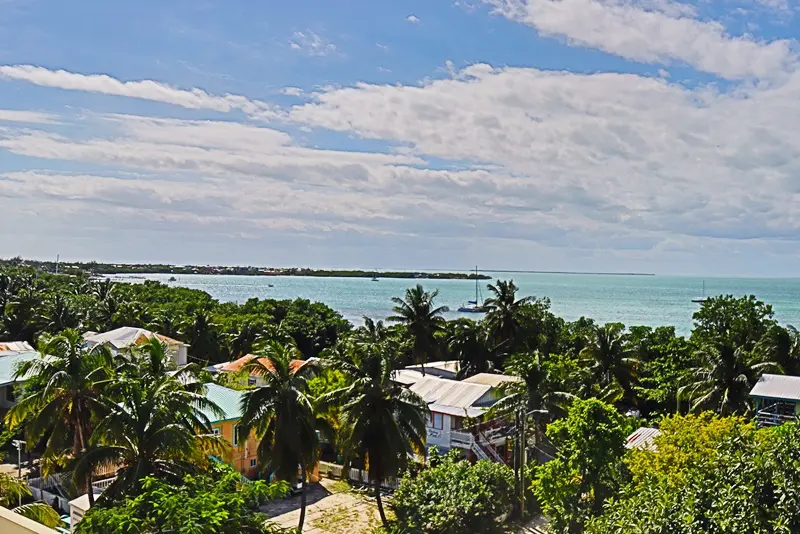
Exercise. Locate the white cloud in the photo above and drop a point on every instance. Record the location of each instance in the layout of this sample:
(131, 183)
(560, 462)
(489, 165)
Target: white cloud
(655, 32)
(311, 44)
(13, 115)
(412, 19)
(292, 91)
(143, 89)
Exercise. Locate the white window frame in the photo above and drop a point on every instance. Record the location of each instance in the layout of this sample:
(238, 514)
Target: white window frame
(253, 462)
(441, 420)
(215, 430)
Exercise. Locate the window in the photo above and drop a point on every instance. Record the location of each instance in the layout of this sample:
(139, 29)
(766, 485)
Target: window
(10, 393)
(216, 431)
(251, 381)
(236, 435)
(253, 462)
(437, 420)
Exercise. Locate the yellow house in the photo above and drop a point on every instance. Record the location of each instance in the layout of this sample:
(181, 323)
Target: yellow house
(244, 457)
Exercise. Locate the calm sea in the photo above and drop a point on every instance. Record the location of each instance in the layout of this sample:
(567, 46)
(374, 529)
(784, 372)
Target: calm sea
(633, 300)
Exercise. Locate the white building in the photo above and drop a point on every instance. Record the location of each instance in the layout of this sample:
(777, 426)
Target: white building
(128, 337)
(454, 407)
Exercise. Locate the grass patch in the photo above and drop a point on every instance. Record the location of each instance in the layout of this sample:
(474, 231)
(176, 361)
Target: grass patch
(338, 520)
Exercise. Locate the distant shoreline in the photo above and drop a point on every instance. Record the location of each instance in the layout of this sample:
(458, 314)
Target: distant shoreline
(568, 272)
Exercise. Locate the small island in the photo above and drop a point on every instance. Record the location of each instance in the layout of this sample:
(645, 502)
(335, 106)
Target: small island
(105, 269)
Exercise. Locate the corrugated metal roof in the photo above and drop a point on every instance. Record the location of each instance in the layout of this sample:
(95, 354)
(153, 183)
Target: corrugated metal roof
(9, 362)
(458, 412)
(15, 346)
(237, 365)
(491, 379)
(126, 336)
(407, 377)
(642, 438)
(777, 387)
(445, 369)
(229, 400)
(450, 392)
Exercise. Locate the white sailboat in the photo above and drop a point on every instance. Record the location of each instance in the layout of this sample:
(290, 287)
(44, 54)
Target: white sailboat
(474, 306)
(702, 299)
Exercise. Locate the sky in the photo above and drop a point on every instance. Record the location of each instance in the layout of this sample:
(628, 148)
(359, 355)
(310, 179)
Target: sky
(586, 135)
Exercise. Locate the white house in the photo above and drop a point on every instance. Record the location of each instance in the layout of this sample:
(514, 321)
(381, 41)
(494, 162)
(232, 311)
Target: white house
(128, 337)
(454, 406)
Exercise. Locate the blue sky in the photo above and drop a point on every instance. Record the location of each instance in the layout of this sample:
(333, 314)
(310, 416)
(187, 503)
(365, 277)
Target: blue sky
(621, 135)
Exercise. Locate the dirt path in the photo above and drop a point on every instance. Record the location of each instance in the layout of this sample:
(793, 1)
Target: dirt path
(333, 508)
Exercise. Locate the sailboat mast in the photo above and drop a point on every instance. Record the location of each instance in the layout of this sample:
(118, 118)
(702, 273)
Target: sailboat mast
(476, 286)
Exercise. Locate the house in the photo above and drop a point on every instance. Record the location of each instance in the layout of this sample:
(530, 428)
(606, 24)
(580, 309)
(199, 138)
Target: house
(455, 406)
(444, 369)
(236, 366)
(643, 438)
(495, 380)
(777, 399)
(12, 353)
(244, 458)
(128, 337)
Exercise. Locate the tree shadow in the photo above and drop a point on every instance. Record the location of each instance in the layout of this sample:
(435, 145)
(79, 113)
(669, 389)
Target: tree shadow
(314, 493)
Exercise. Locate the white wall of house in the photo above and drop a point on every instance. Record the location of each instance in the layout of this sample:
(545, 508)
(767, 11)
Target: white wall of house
(438, 427)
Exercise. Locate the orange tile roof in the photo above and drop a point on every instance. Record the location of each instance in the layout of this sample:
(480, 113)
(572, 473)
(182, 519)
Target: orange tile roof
(237, 365)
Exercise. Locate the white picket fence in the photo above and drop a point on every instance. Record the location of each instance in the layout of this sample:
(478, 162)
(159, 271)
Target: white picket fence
(330, 470)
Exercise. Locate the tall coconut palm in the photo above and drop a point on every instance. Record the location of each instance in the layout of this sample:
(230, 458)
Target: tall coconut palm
(423, 320)
(201, 333)
(165, 324)
(72, 384)
(153, 426)
(382, 423)
(282, 415)
(469, 343)
(724, 379)
(782, 346)
(59, 315)
(243, 340)
(20, 317)
(612, 363)
(504, 315)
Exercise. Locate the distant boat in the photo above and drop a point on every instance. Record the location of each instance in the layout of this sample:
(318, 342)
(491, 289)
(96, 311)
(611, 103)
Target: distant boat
(270, 285)
(375, 277)
(172, 279)
(474, 306)
(702, 299)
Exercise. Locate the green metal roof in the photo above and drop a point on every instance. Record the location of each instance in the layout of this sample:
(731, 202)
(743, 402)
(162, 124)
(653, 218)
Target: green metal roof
(8, 364)
(229, 400)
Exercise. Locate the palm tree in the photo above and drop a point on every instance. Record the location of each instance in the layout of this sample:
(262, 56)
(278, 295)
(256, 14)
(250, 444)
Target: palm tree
(73, 382)
(20, 318)
(200, 331)
(724, 379)
(242, 341)
(103, 289)
(59, 315)
(469, 343)
(382, 423)
(504, 317)
(166, 325)
(422, 319)
(611, 361)
(153, 426)
(13, 490)
(282, 415)
(782, 346)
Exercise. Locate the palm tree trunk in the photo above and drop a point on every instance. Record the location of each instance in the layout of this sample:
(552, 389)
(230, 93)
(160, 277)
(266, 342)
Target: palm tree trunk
(89, 488)
(302, 499)
(380, 504)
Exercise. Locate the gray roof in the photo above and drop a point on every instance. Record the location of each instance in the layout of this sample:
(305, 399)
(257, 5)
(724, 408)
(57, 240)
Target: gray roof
(642, 438)
(781, 387)
(9, 362)
(126, 336)
(460, 395)
(445, 369)
(491, 379)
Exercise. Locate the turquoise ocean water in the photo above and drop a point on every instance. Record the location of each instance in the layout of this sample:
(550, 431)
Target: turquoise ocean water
(633, 300)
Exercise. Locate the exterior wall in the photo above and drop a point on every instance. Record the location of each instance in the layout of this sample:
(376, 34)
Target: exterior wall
(439, 436)
(13, 523)
(4, 396)
(180, 356)
(244, 453)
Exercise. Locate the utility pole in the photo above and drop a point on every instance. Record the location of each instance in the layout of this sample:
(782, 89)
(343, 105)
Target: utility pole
(18, 443)
(523, 453)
